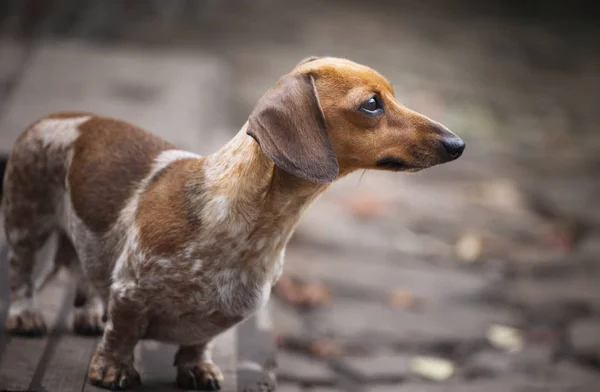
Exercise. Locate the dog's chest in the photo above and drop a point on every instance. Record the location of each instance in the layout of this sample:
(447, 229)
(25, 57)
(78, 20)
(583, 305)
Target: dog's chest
(234, 280)
(206, 304)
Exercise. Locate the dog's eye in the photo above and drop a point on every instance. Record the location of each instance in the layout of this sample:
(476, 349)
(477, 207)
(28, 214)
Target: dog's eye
(372, 106)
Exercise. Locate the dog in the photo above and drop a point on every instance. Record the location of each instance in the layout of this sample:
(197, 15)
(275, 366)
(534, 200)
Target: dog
(172, 246)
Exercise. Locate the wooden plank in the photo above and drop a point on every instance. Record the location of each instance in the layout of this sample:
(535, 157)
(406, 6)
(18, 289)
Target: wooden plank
(158, 373)
(156, 366)
(225, 356)
(60, 328)
(24, 359)
(256, 354)
(67, 368)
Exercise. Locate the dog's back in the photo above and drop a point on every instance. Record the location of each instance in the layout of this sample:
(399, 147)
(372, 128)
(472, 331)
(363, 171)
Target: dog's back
(99, 161)
(71, 173)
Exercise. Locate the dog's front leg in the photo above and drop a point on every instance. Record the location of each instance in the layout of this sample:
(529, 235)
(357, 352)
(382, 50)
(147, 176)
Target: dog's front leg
(112, 364)
(195, 368)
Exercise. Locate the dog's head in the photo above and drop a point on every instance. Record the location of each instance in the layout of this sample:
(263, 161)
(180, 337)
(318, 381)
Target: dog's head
(331, 116)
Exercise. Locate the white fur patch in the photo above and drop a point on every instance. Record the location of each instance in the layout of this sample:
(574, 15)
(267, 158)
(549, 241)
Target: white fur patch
(15, 235)
(19, 305)
(197, 266)
(260, 244)
(244, 277)
(165, 158)
(123, 288)
(227, 283)
(216, 209)
(58, 132)
(264, 296)
(263, 319)
(165, 263)
(278, 267)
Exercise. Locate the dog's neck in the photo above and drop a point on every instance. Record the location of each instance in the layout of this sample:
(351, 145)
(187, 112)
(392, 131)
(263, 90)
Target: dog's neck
(247, 193)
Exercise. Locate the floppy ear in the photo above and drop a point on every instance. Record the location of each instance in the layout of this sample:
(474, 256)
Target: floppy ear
(289, 126)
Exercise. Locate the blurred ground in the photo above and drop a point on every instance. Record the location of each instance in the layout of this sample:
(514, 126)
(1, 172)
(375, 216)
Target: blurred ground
(490, 262)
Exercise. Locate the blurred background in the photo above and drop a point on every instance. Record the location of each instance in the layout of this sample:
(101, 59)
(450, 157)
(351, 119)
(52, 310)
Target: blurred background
(482, 274)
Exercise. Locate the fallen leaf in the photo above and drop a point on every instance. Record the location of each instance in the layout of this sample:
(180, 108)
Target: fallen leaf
(432, 368)
(322, 348)
(405, 299)
(505, 338)
(366, 206)
(286, 289)
(297, 293)
(503, 193)
(564, 234)
(542, 336)
(468, 248)
(325, 348)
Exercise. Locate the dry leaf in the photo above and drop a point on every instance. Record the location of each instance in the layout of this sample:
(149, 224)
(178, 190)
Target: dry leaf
(501, 193)
(432, 368)
(314, 294)
(564, 234)
(404, 299)
(542, 336)
(302, 294)
(322, 348)
(366, 206)
(286, 289)
(325, 348)
(468, 248)
(505, 338)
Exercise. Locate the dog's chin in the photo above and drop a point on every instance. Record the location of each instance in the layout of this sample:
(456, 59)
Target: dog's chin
(413, 169)
(398, 165)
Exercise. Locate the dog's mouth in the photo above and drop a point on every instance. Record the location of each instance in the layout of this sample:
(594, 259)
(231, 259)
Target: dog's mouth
(396, 164)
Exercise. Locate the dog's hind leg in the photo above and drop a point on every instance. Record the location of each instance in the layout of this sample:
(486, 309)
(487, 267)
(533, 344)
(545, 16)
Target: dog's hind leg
(89, 309)
(24, 318)
(88, 314)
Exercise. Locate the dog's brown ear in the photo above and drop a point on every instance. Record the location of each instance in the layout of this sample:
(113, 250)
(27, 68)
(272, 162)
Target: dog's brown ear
(289, 126)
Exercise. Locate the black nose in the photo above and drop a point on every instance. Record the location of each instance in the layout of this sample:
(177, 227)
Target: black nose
(454, 146)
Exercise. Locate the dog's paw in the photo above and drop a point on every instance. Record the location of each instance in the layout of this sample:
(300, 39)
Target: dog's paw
(112, 375)
(26, 322)
(88, 321)
(204, 376)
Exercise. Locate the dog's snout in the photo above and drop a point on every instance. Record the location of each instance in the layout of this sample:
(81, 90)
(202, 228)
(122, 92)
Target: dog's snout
(454, 146)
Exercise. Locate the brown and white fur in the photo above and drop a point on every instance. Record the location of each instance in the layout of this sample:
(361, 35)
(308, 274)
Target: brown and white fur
(177, 247)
